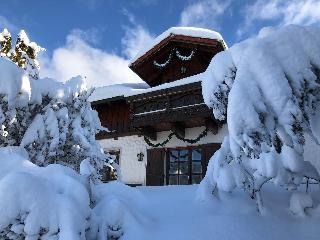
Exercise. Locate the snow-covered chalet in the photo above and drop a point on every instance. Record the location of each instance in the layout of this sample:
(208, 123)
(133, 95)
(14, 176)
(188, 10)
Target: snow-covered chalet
(161, 131)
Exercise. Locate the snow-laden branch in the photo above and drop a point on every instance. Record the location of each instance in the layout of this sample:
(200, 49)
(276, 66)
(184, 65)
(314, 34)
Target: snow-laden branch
(268, 90)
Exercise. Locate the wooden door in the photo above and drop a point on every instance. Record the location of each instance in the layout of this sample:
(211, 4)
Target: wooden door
(207, 152)
(155, 167)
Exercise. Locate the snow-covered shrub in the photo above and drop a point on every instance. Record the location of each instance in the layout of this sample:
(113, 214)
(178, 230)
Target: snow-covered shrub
(268, 90)
(41, 203)
(110, 214)
(53, 121)
(299, 202)
(15, 92)
(53, 202)
(222, 172)
(116, 214)
(64, 129)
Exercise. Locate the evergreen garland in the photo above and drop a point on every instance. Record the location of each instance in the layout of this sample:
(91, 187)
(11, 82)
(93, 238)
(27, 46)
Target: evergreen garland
(178, 55)
(191, 141)
(185, 58)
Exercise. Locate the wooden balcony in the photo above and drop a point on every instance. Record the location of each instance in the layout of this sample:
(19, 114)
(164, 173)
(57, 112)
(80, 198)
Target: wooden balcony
(174, 108)
(167, 115)
(166, 109)
(114, 115)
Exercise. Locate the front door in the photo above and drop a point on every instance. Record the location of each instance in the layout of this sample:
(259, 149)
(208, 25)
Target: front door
(178, 166)
(188, 165)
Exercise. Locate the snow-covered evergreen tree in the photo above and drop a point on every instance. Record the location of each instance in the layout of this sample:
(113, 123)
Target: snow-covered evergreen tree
(268, 90)
(53, 121)
(47, 122)
(24, 53)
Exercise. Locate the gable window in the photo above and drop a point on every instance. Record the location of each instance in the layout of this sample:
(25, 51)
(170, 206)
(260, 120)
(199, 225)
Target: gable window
(184, 166)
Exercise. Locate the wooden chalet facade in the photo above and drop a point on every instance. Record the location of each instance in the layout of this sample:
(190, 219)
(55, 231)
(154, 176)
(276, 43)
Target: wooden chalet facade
(165, 134)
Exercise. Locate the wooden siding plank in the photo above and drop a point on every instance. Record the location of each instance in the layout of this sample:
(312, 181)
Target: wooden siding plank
(155, 167)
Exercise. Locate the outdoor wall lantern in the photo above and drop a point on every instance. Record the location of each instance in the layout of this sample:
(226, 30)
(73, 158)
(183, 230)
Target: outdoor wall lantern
(140, 156)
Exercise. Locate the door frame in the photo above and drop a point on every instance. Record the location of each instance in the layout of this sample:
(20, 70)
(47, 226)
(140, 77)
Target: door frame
(167, 160)
(207, 151)
(204, 161)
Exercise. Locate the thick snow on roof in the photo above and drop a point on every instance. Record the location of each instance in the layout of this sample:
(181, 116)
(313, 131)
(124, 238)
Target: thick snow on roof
(40, 200)
(131, 89)
(184, 81)
(116, 90)
(185, 31)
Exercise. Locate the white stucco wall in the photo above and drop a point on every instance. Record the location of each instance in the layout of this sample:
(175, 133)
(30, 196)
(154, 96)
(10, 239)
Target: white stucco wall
(133, 171)
(192, 133)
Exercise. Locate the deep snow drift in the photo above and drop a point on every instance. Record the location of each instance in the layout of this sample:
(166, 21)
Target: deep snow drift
(55, 202)
(51, 202)
(173, 213)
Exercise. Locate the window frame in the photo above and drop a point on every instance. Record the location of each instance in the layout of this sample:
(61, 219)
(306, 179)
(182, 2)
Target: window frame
(105, 174)
(108, 150)
(190, 173)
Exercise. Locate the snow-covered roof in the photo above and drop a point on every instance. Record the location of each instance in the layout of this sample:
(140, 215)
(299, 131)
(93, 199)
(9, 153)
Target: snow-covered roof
(131, 89)
(183, 81)
(116, 90)
(184, 31)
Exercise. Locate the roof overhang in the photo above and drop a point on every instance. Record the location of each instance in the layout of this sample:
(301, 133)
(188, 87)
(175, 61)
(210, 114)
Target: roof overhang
(175, 38)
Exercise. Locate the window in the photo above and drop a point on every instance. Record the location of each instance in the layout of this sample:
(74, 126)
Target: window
(115, 153)
(184, 166)
(106, 172)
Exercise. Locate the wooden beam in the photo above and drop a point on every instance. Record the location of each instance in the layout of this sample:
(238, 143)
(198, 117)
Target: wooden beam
(149, 132)
(212, 125)
(179, 128)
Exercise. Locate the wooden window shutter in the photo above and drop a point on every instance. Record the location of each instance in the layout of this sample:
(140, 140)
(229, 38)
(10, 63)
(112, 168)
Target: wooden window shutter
(155, 167)
(207, 152)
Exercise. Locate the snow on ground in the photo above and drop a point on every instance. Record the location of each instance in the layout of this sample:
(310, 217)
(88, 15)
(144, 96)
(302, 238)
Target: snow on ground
(51, 202)
(172, 212)
(119, 210)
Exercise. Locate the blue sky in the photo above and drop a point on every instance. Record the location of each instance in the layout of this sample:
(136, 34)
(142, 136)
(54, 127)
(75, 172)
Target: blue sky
(96, 38)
